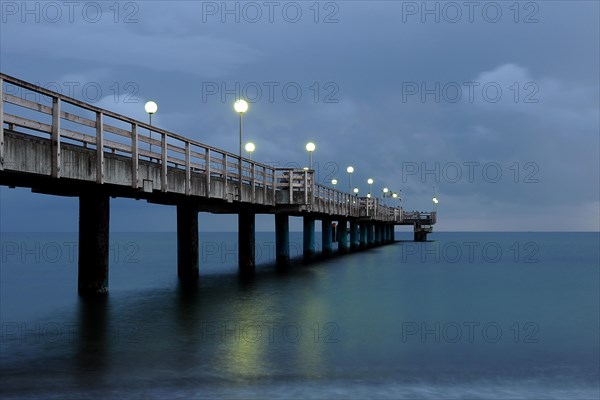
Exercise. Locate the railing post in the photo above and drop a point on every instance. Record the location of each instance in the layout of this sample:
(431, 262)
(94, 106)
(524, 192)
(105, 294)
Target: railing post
(225, 176)
(188, 169)
(291, 182)
(274, 187)
(56, 168)
(264, 182)
(134, 156)
(99, 148)
(305, 187)
(1, 125)
(253, 180)
(163, 180)
(207, 171)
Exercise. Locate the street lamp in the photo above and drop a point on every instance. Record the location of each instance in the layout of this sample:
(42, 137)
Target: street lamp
(250, 147)
(350, 170)
(356, 191)
(334, 182)
(151, 107)
(370, 182)
(310, 147)
(385, 192)
(240, 106)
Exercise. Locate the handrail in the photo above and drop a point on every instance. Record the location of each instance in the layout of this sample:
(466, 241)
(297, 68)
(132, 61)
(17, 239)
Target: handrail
(177, 151)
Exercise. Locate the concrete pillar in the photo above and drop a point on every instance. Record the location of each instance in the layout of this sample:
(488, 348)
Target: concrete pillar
(354, 235)
(342, 228)
(94, 222)
(364, 237)
(386, 233)
(378, 234)
(370, 234)
(246, 241)
(282, 238)
(326, 235)
(308, 232)
(393, 233)
(187, 242)
(420, 236)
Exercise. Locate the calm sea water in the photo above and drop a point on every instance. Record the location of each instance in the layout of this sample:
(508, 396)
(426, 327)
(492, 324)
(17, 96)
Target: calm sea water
(467, 315)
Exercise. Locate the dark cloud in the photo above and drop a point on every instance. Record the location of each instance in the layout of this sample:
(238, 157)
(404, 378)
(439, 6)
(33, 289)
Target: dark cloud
(357, 78)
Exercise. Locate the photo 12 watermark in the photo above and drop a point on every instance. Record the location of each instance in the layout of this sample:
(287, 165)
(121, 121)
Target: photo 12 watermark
(470, 252)
(226, 252)
(471, 332)
(62, 252)
(53, 12)
(271, 12)
(271, 92)
(89, 92)
(451, 172)
(33, 333)
(470, 92)
(269, 332)
(453, 12)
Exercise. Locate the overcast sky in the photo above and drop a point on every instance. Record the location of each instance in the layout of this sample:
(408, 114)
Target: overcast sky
(496, 104)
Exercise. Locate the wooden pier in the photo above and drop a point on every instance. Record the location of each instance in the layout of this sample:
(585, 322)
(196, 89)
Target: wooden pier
(61, 146)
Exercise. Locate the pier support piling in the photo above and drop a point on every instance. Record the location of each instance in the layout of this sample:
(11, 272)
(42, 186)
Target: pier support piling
(246, 241)
(342, 235)
(354, 235)
(378, 234)
(308, 233)
(94, 222)
(364, 237)
(282, 239)
(370, 234)
(420, 235)
(326, 233)
(187, 242)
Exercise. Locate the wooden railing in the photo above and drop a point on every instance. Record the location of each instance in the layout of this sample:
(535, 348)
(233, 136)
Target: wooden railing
(66, 120)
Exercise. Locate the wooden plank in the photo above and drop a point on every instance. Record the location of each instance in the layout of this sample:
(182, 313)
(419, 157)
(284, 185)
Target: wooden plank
(55, 151)
(99, 148)
(164, 160)
(188, 170)
(1, 125)
(31, 105)
(134, 156)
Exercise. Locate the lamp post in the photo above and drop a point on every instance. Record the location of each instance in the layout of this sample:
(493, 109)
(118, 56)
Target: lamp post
(334, 182)
(385, 192)
(370, 182)
(350, 170)
(356, 191)
(151, 107)
(240, 106)
(250, 147)
(310, 147)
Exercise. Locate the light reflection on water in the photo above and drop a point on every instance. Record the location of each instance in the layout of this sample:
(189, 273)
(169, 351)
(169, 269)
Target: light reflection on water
(333, 329)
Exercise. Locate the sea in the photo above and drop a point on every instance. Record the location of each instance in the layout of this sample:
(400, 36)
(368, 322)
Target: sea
(465, 315)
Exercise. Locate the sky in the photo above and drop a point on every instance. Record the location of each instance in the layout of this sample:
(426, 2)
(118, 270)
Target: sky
(494, 106)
